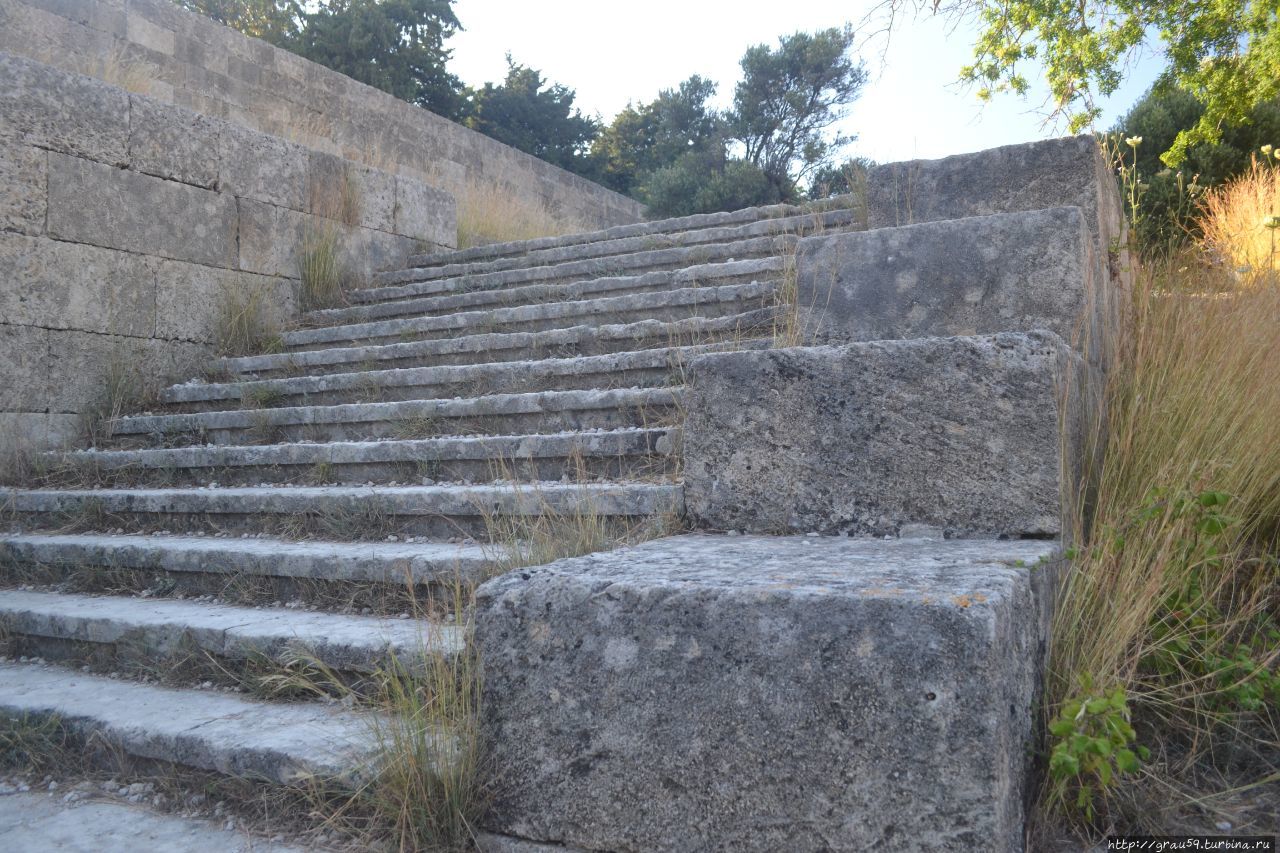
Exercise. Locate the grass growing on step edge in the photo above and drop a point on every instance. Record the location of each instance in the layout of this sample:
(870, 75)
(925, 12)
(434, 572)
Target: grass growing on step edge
(488, 213)
(243, 324)
(322, 268)
(1163, 698)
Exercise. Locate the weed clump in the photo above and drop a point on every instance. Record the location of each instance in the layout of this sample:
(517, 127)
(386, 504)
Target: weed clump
(243, 324)
(322, 268)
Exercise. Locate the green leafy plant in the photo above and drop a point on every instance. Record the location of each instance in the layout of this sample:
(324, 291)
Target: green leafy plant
(1093, 743)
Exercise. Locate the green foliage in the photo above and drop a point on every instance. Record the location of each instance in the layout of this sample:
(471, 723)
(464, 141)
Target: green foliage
(1093, 742)
(276, 21)
(394, 45)
(1167, 216)
(527, 113)
(1226, 54)
(789, 98)
(704, 182)
(834, 179)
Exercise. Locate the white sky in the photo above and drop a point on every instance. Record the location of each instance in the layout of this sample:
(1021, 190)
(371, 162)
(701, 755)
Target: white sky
(611, 52)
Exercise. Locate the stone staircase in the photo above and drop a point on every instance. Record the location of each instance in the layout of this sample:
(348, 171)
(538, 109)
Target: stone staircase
(284, 504)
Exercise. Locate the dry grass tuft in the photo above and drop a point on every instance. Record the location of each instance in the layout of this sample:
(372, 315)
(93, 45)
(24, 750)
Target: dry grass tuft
(488, 213)
(322, 268)
(244, 324)
(1170, 619)
(1242, 221)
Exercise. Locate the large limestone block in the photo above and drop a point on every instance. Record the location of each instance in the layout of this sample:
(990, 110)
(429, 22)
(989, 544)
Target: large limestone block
(1068, 172)
(271, 238)
(750, 693)
(958, 435)
(263, 168)
(190, 299)
(24, 175)
(425, 213)
(93, 203)
(62, 285)
(51, 108)
(174, 143)
(980, 275)
(24, 364)
(349, 192)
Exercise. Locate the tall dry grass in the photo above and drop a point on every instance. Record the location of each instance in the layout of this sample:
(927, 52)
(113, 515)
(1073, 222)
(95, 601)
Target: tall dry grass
(244, 323)
(322, 268)
(1241, 222)
(489, 214)
(1171, 616)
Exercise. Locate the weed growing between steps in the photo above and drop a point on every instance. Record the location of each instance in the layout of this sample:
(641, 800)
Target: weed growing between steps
(126, 386)
(322, 268)
(1163, 698)
(243, 324)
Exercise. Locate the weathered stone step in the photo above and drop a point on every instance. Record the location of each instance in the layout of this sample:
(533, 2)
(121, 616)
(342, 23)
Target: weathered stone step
(494, 414)
(207, 564)
(339, 512)
(583, 270)
(617, 454)
(801, 224)
(660, 366)
(715, 301)
(282, 743)
(727, 272)
(123, 632)
(658, 226)
(510, 346)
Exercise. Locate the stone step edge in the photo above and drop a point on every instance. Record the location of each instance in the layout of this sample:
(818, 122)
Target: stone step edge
(154, 627)
(268, 556)
(285, 744)
(639, 229)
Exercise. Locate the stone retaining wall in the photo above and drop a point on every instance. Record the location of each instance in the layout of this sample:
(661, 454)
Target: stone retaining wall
(182, 58)
(123, 219)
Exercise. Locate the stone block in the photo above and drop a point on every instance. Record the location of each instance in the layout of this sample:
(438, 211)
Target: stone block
(79, 363)
(62, 285)
(51, 108)
(189, 298)
(148, 34)
(24, 181)
(93, 203)
(174, 143)
(957, 435)
(349, 192)
(980, 275)
(24, 364)
(1068, 172)
(425, 213)
(368, 252)
(763, 694)
(105, 15)
(270, 238)
(263, 168)
(22, 432)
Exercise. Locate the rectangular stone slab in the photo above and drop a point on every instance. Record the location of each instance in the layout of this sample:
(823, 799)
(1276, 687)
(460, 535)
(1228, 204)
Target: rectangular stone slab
(955, 434)
(1003, 273)
(752, 693)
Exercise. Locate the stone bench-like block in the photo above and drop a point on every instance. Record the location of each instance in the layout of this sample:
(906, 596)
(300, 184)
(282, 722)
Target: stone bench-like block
(956, 434)
(1004, 273)
(799, 693)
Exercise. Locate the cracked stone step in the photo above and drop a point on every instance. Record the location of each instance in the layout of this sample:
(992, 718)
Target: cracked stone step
(341, 512)
(208, 564)
(659, 226)
(494, 414)
(285, 744)
(727, 272)
(660, 366)
(802, 224)
(511, 346)
(709, 301)
(582, 270)
(617, 454)
(119, 631)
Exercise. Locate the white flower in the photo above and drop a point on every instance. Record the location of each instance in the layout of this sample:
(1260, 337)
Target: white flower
(1133, 141)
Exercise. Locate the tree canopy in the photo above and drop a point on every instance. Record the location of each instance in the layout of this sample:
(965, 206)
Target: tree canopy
(1225, 53)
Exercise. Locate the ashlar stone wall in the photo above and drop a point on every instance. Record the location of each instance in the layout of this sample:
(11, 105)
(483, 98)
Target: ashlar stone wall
(124, 219)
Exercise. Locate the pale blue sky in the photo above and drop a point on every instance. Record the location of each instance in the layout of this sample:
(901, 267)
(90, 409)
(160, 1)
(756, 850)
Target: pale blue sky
(612, 52)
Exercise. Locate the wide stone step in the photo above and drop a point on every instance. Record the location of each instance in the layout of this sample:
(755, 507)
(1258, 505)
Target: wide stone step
(494, 414)
(408, 287)
(658, 226)
(509, 346)
(341, 512)
(617, 454)
(728, 272)
(123, 633)
(802, 224)
(661, 366)
(663, 305)
(286, 744)
(207, 564)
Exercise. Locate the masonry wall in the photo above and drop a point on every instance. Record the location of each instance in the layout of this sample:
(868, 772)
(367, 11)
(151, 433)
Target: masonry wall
(124, 220)
(153, 47)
